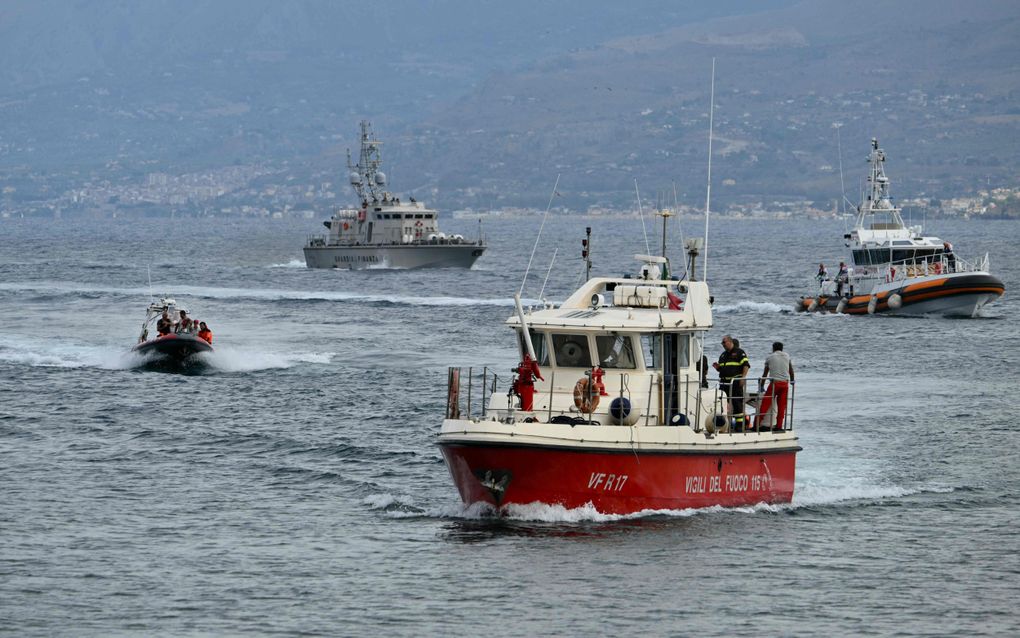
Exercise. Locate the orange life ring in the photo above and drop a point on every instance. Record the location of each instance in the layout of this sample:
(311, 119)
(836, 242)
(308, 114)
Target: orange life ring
(586, 396)
(346, 226)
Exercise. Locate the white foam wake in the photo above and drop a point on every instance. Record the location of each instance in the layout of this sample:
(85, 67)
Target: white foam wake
(760, 307)
(293, 263)
(853, 494)
(61, 353)
(244, 360)
(58, 353)
(268, 294)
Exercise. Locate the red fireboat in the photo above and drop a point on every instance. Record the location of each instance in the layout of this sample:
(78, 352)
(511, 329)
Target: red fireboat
(611, 409)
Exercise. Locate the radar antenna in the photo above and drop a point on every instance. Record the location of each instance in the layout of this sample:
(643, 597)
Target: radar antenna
(366, 178)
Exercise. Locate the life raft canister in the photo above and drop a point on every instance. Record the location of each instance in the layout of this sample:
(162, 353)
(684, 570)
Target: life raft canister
(586, 396)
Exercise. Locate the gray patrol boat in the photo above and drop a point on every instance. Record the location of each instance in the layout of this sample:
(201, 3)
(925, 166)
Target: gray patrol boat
(386, 232)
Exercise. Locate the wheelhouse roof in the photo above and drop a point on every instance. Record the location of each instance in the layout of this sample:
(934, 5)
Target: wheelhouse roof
(577, 312)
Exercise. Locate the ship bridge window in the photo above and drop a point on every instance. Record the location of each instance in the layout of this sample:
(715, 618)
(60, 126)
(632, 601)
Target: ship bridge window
(538, 342)
(571, 350)
(917, 255)
(419, 216)
(615, 351)
(861, 258)
(879, 256)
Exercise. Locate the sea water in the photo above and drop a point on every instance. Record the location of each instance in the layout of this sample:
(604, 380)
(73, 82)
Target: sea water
(291, 483)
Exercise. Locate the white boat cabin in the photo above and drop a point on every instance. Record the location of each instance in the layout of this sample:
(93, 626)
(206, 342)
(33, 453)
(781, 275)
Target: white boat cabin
(648, 351)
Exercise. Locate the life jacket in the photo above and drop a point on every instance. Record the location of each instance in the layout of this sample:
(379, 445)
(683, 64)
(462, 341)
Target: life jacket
(205, 335)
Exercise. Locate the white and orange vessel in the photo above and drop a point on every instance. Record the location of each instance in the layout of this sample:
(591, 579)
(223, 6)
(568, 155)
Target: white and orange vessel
(896, 269)
(617, 414)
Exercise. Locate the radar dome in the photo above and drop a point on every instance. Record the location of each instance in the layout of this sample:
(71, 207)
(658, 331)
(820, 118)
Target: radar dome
(380, 178)
(355, 178)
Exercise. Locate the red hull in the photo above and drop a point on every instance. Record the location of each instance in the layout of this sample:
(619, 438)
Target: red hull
(618, 482)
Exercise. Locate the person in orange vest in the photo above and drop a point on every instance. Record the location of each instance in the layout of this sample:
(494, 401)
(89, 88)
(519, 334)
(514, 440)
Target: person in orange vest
(204, 332)
(162, 327)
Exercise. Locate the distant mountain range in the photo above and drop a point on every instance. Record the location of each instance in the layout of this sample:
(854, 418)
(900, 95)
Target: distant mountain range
(484, 103)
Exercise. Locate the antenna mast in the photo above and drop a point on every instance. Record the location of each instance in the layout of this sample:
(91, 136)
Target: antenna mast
(541, 293)
(839, 148)
(586, 252)
(708, 191)
(680, 229)
(641, 214)
(366, 178)
(535, 247)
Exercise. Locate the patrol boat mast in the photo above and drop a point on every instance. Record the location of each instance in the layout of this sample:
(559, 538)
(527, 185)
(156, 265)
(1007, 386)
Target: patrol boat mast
(366, 178)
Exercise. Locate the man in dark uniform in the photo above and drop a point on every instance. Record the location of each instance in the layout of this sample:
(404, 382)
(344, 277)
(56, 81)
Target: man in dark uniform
(842, 278)
(733, 367)
(947, 250)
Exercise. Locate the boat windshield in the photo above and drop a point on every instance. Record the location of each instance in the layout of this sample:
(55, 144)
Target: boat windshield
(571, 350)
(881, 256)
(538, 342)
(615, 351)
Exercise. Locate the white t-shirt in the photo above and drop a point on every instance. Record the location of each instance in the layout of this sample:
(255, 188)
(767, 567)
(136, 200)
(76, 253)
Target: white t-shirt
(779, 365)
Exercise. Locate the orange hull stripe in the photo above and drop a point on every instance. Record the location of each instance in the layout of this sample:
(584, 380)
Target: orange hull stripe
(958, 291)
(925, 284)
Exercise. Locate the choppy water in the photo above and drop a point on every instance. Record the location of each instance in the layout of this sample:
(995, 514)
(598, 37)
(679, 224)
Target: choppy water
(292, 484)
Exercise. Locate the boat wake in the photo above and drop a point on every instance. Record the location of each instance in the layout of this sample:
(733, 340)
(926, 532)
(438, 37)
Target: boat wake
(759, 307)
(293, 263)
(69, 355)
(270, 294)
(805, 497)
(64, 354)
(243, 360)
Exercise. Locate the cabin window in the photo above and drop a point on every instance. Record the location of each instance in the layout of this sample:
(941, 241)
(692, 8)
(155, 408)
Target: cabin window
(861, 258)
(419, 216)
(651, 349)
(879, 256)
(538, 342)
(615, 351)
(571, 350)
(683, 350)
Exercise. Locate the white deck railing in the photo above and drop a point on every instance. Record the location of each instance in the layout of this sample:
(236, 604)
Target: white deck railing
(654, 400)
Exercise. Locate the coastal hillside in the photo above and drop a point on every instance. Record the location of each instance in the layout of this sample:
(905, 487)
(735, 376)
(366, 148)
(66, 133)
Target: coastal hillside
(482, 104)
